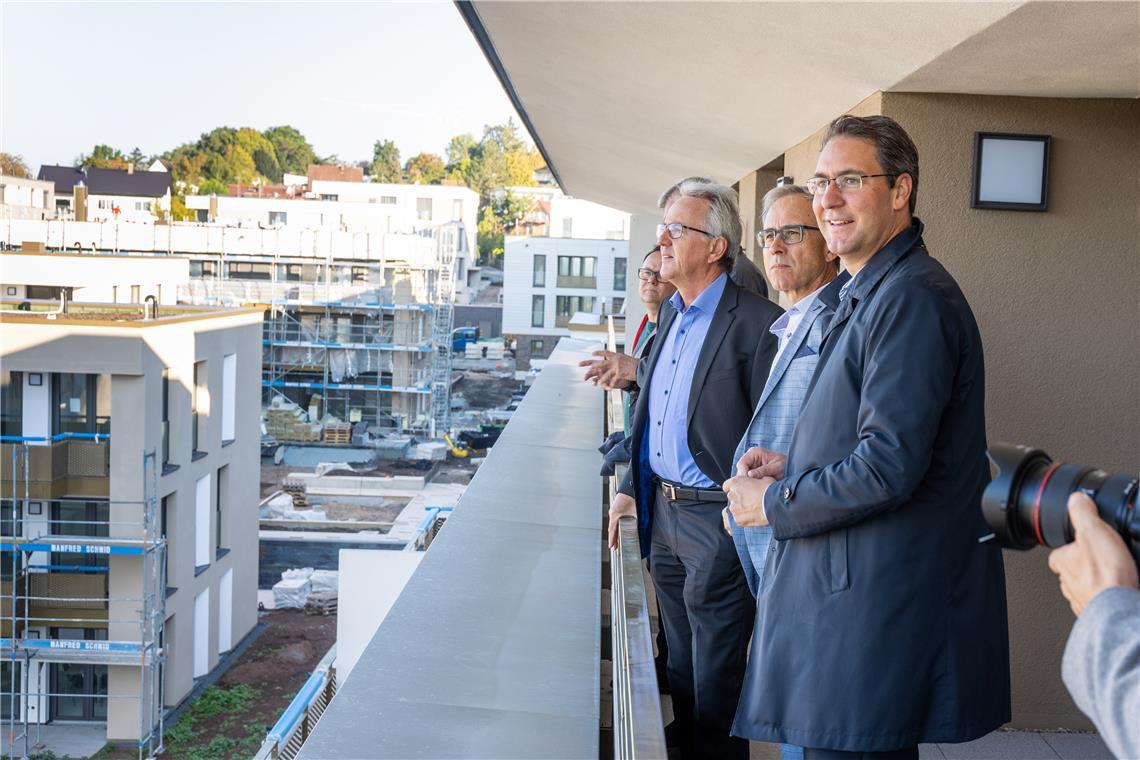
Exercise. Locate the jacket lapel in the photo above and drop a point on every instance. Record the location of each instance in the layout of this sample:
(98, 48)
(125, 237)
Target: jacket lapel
(798, 339)
(721, 321)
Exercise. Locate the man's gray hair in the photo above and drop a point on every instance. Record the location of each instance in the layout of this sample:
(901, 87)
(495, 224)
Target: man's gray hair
(723, 217)
(782, 191)
(675, 190)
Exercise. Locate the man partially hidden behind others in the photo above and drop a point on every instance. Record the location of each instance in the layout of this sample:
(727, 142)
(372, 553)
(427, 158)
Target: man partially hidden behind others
(884, 624)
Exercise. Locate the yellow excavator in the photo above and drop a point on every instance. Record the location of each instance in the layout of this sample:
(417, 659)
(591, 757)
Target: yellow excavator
(458, 451)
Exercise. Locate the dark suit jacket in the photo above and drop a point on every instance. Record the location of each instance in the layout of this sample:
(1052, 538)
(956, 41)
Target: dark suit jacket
(882, 620)
(730, 375)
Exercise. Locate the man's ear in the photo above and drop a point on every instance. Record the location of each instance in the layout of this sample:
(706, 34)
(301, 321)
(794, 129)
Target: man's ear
(904, 186)
(720, 248)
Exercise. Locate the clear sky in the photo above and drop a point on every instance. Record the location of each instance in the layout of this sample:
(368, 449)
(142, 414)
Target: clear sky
(155, 75)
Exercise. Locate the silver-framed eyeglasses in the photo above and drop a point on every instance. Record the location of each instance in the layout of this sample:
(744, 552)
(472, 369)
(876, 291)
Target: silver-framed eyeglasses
(648, 274)
(676, 230)
(844, 183)
(789, 233)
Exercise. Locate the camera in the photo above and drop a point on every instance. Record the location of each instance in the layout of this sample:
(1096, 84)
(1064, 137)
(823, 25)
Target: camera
(1026, 503)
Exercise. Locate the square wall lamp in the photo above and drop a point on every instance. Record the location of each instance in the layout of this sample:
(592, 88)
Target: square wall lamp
(1011, 172)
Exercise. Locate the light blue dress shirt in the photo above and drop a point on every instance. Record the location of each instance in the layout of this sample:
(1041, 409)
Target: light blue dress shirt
(669, 387)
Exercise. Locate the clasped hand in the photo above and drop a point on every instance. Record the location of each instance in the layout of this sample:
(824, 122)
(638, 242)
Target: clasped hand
(756, 470)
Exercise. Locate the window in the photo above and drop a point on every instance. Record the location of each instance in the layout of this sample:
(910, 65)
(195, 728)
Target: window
(567, 228)
(536, 347)
(80, 518)
(136, 294)
(537, 310)
(456, 210)
(103, 203)
(142, 206)
(577, 271)
(423, 209)
(618, 304)
(388, 200)
(229, 396)
(11, 402)
(219, 501)
(165, 417)
(289, 272)
(539, 271)
(568, 306)
(203, 269)
(225, 612)
(165, 531)
(329, 197)
(200, 406)
(619, 274)
(243, 270)
(278, 218)
(202, 492)
(77, 400)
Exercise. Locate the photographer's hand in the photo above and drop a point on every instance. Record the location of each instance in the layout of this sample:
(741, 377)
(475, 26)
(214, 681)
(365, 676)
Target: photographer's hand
(1095, 561)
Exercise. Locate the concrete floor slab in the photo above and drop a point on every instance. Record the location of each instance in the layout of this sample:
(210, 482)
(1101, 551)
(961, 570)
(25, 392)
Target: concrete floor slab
(1078, 746)
(1002, 745)
(63, 740)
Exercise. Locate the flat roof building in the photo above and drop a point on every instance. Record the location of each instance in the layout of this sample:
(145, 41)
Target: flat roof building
(129, 518)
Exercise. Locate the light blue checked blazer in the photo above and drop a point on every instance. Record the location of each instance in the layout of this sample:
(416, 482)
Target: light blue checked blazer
(776, 413)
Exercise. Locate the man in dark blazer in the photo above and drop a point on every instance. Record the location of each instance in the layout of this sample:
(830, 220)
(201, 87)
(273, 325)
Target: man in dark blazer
(883, 623)
(700, 382)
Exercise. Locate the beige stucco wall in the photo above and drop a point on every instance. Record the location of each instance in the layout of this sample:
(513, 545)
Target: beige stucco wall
(1054, 294)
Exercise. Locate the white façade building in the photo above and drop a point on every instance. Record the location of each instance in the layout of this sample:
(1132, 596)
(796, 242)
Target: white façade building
(547, 280)
(23, 198)
(108, 194)
(357, 208)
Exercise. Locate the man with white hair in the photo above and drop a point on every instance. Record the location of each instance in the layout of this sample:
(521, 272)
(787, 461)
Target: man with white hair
(700, 383)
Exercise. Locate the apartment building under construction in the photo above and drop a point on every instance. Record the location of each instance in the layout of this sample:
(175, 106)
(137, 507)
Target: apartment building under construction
(357, 325)
(127, 510)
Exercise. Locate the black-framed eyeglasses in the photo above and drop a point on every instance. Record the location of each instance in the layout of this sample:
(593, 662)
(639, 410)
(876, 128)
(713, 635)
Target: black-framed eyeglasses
(789, 233)
(648, 274)
(676, 230)
(844, 183)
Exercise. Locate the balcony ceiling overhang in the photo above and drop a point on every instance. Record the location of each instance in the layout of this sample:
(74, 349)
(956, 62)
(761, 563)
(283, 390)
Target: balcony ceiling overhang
(623, 98)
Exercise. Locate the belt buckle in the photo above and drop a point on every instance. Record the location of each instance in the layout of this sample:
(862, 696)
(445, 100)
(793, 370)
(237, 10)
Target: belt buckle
(670, 490)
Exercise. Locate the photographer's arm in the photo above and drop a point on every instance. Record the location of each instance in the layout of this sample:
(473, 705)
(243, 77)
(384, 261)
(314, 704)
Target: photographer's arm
(1101, 664)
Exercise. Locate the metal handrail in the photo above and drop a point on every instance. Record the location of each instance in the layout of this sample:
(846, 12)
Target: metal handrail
(637, 720)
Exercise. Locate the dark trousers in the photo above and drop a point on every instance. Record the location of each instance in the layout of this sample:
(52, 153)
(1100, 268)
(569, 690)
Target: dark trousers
(910, 753)
(707, 613)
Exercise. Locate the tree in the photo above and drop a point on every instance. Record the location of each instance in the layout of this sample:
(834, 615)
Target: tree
(102, 157)
(136, 159)
(425, 169)
(294, 153)
(386, 162)
(13, 166)
(212, 187)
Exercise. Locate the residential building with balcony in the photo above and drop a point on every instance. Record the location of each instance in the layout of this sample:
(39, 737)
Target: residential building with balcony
(547, 280)
(129, 518)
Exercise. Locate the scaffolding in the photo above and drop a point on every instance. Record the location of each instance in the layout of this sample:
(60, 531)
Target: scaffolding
(58, 576)
(371, 339)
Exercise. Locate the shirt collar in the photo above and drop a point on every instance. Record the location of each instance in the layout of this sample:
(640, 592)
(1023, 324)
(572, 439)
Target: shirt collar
(708, 298)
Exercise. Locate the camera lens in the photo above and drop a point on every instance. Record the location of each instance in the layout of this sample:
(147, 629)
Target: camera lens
(1026, 503)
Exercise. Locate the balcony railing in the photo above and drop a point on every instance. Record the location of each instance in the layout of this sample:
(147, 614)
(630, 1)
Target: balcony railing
(69, 464)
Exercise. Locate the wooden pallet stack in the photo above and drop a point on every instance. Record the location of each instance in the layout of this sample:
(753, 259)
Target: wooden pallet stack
(321, 603)
(338, 433)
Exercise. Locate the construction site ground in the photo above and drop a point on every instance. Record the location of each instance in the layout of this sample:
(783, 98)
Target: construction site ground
(229, 720)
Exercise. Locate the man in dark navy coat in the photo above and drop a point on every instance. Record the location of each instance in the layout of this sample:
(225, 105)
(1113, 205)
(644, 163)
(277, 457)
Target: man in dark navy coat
(883, 621)
(700, 382)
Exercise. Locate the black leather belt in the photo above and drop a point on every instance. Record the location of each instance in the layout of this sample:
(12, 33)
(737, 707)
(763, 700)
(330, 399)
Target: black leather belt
(675, 492)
